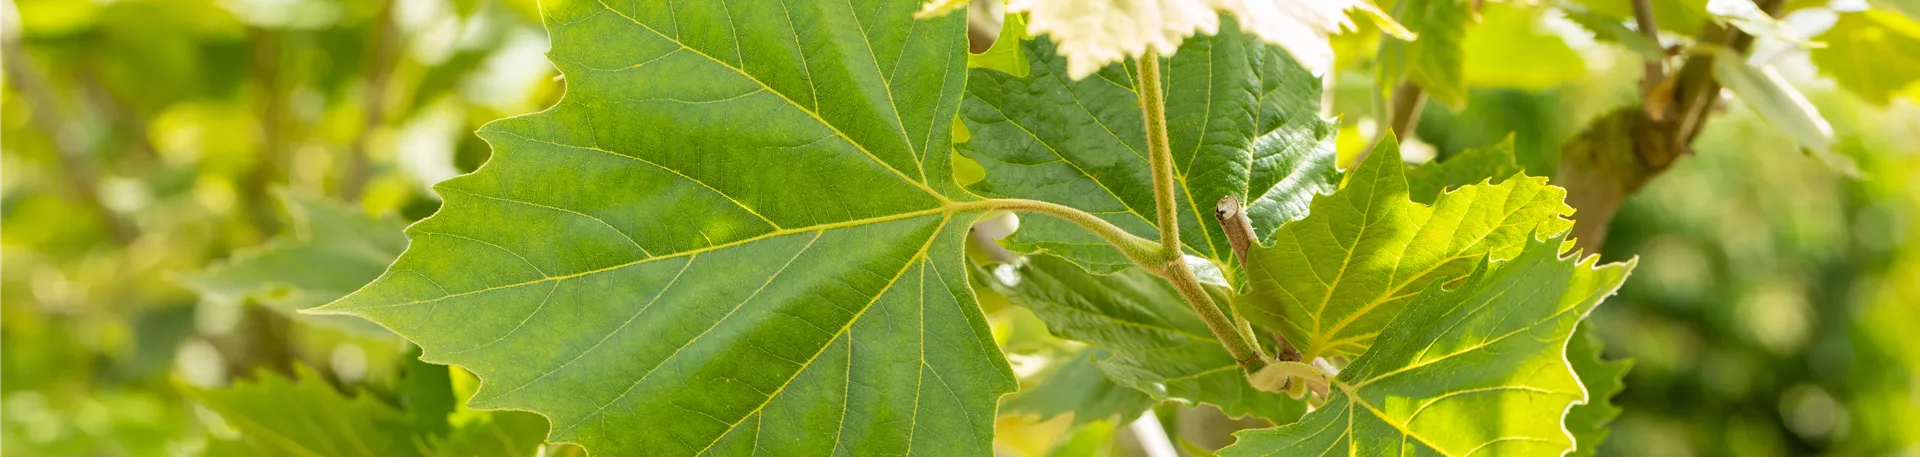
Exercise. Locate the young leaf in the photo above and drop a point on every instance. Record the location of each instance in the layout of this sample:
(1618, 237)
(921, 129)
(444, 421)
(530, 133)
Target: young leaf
(1603, 379)
(1765, 92)
(1078, 387)
(1155, 343)
(1434, 60)
(1331, 281)
(1479, 368)
(332, 250)
(305, 416)
(1242, 121)
(739, 230)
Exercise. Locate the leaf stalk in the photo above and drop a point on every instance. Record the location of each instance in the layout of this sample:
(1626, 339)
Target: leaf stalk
(1159, 155)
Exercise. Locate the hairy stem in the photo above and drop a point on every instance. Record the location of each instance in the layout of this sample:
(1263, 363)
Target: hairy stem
(1243, 351)
(1141, 251)
(1159, 156)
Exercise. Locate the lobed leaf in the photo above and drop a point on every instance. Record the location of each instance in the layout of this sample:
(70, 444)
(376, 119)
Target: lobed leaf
(1332, 281)
(1242, 120)
(738, 231)
(1479, 368)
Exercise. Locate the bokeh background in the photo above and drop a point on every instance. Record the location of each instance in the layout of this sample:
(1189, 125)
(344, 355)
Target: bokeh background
(1776, 309)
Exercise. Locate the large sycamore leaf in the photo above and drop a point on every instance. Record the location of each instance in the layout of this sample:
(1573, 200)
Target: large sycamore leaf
(738, 231)
(330, 251)
(1331, 281)
(1242, 121)
(1154, 343)
(1479, 369)
(1603, 379)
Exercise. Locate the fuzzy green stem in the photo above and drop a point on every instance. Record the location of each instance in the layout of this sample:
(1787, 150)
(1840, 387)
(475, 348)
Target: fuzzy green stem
(1244, 351)
(1159, 155)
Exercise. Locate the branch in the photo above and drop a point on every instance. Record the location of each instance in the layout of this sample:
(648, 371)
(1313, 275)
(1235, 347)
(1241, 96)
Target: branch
(1407, 103)
(1622, 151)
(1654, 70)
(1159, 156)
(1244, 351)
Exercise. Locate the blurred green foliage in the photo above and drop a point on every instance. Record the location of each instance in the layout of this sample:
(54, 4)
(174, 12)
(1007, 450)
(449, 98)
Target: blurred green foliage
(1776, 311)
(146, 139)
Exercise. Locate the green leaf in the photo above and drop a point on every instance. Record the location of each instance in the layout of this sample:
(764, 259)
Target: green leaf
(1242, 121)
(497, 434)
(738, 230)
(1603, 379)
(1872, 53)
(1613, 30)
(1507, 30)
(1909, 8)
(425, 392)
(1480, 368)
(1005, 55)
(331, 250)
(1079, 388)
(1767, 93)
(1747, 16)
(305, 416)
(1426, 182)
(1330, 282)
(1087, 440)
(1682, 17)
(1155, 343)
(1434, 60)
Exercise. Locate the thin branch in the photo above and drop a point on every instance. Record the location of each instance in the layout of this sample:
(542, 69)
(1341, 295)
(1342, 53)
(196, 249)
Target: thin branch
(1159, 156)
(1407, 103)
(1620, 152)
(1243, 351)
(1654, 71)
